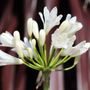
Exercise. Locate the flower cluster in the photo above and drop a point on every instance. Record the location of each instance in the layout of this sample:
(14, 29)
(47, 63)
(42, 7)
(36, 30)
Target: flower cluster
(32, 50)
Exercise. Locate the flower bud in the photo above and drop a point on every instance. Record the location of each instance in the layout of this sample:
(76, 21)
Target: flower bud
(33, 43)
(16, 35)
(35, 29)
(19, 50)
(42, 37)
(29, 26)
(30, 52)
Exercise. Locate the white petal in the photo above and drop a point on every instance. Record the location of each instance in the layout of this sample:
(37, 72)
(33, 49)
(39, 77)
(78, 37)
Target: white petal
(53, 13)
(54, 22)
(59, 40)
(85, 48)
(64, 26)
(46, 13)
(8, 59)
(77, 50)
(73, 19)
(62, 40)
(71, 41)
(41, 16)
(16, 35)
(30, 26)
(6, 39)
(68, 17)
(26, 42)
(75, 27)
(58, 18)
(81, 44)
(6, 62)
(70, 51)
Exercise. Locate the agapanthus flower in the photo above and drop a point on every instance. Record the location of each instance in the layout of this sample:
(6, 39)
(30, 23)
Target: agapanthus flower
(50, 19)
(32, 50)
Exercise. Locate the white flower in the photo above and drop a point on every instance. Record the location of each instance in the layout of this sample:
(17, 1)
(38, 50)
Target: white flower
(64, 36)
(76, 50)
(70, 25)
(32, 51)
(6, 39)
(50, 19)
(6, 59)
(42, 37)
(62, 40)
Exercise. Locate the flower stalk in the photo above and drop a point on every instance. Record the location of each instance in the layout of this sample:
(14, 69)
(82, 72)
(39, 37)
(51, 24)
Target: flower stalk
(46, 82)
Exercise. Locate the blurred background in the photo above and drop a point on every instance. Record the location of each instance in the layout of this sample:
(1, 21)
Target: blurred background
(13, 16)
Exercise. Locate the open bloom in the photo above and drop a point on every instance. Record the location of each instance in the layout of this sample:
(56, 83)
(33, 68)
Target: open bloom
(32, 50)
(76, 50)
(7, 39)
(50, 19)
(6, 59)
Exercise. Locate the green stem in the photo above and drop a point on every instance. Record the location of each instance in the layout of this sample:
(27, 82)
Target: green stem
(46, 83)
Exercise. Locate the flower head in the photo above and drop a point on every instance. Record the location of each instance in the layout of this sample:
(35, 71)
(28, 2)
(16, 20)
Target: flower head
(32, 51)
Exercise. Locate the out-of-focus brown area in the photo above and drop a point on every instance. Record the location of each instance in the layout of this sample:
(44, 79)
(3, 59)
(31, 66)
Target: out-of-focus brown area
(13, 16)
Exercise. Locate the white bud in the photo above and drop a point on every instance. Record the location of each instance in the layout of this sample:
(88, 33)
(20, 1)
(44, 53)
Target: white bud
(33, 43)
(35, 29)
(42, 37)
(16, 35)
(29, 26)
(19, 50)
(30, 52)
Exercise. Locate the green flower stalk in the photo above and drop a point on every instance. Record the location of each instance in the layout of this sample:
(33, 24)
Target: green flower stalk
(32, 51)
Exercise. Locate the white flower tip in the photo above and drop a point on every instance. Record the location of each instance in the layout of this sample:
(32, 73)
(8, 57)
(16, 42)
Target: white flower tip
(41, 16)
(45, 8)
(29, 20)
(73, 19)
(29, 26)
(68, 16)
(32, 27)
(80, 25)
(33, 43)
(87, 45)
(35, 29)
(16, 35)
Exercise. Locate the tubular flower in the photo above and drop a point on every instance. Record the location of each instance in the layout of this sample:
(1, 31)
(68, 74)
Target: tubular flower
(6, 39)
(50, 19)
(77, 50)
(32, 51)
